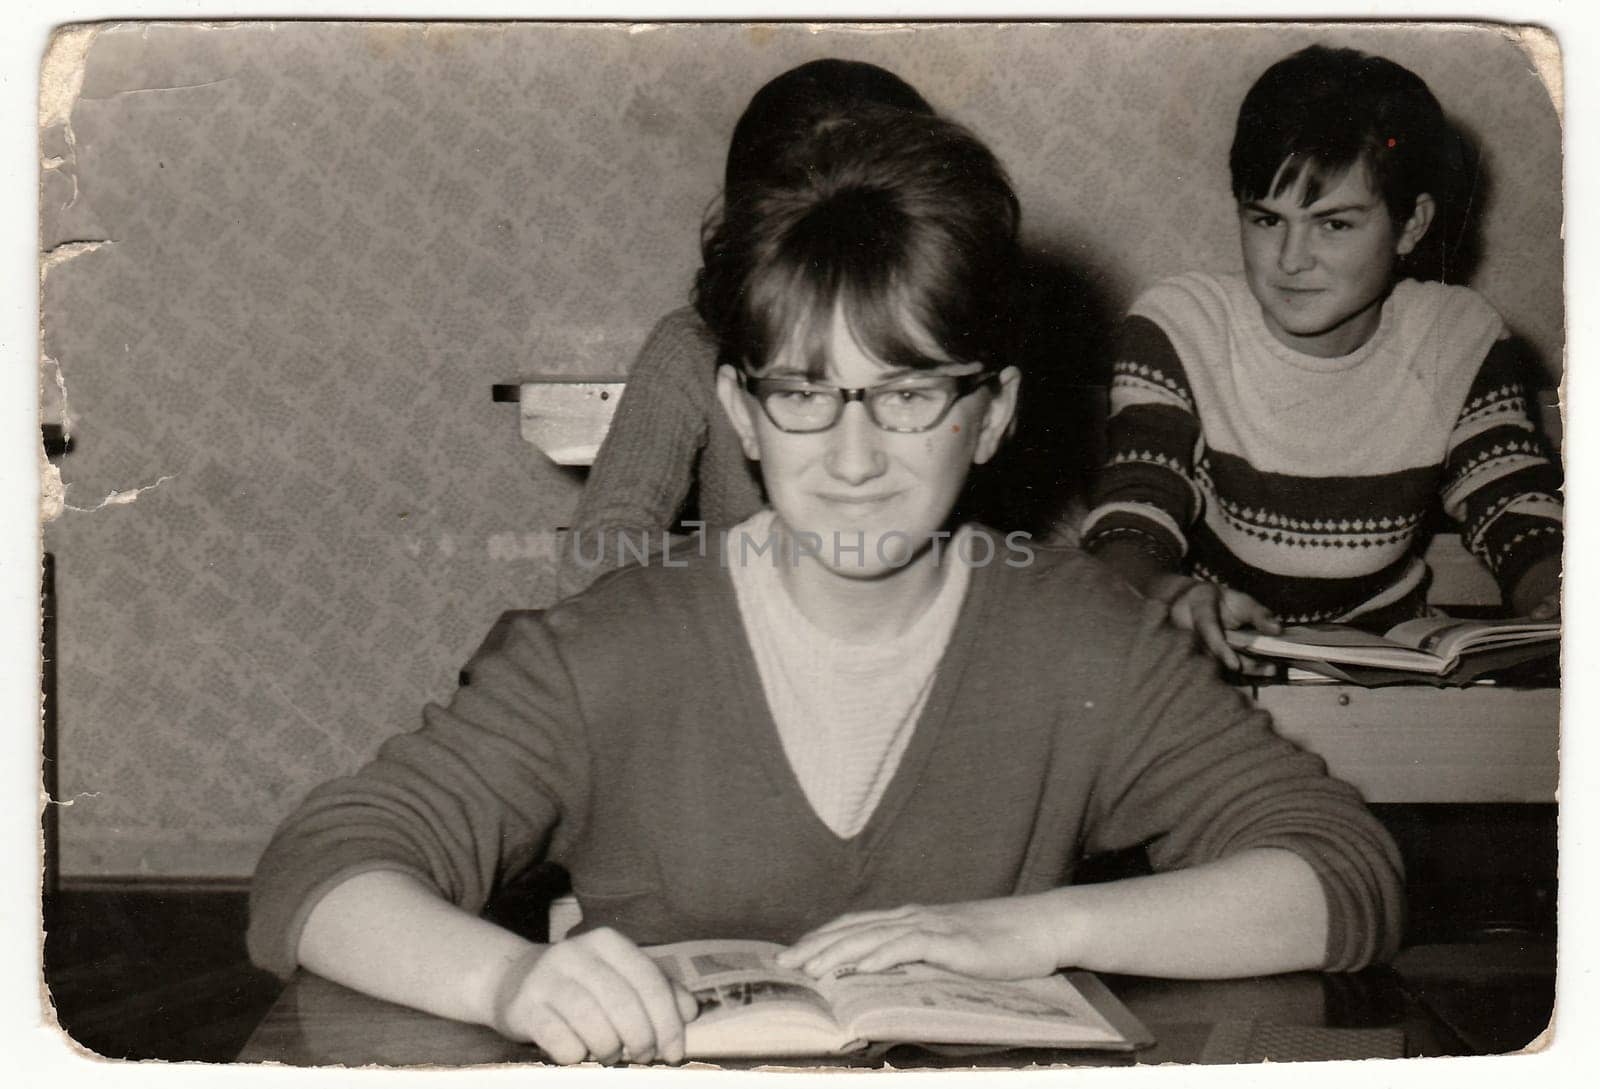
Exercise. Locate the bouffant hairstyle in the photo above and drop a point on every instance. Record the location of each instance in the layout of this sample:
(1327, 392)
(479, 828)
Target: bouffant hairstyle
(904, 221)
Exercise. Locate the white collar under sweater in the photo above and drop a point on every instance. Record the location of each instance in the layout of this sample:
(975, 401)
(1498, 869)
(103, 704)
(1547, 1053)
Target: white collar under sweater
(1389, 405)
(844, 711)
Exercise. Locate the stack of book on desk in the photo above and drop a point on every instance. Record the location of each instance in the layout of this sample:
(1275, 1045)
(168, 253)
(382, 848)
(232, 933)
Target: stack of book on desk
(750, 1007)
(1442, 650)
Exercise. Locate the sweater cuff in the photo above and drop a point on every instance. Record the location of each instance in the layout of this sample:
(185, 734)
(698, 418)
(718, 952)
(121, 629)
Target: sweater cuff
(1365, 900)
(1531, 546)
(279, 906)
(1143, 538)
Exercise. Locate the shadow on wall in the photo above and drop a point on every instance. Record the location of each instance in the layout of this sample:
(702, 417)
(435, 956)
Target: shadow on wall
(1453, 249)
(1042, 474)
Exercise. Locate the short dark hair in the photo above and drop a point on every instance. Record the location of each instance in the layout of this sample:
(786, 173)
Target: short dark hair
(905, 220)
(1319, 112)
(791, 105)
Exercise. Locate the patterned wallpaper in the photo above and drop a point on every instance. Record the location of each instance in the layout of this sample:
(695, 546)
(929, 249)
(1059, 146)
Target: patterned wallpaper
(322, 244)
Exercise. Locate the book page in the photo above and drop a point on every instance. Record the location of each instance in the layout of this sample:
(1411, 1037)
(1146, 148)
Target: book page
(748, 1004)
(917, 1002)
(1334, 643)
(1449, 637)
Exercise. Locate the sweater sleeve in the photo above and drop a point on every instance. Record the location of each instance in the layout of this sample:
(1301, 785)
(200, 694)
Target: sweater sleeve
(1146, 491)
(1196, 773)
(471, 797)
(646, 465)
(1498, 482)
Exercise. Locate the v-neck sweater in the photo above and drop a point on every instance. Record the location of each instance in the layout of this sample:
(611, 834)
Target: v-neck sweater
(624, 735)
(844, 711)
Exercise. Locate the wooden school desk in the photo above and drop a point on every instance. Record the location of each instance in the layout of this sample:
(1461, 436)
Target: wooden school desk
(1421, 744)
(1302, 1016)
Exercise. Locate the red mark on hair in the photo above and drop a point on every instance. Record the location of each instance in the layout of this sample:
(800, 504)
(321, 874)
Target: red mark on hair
(1391, 141)
(955, 429)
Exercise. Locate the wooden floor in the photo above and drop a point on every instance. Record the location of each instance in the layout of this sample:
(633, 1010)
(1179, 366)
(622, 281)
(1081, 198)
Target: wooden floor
(146, 971)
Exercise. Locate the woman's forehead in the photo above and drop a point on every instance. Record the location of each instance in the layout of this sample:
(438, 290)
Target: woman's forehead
(839, 345)
(1306, 181)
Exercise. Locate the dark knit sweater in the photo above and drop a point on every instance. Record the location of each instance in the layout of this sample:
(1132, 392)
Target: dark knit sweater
(669, 433)
(624, 734)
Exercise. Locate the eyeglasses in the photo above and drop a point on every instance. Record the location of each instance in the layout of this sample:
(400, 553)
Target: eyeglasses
(905, 405)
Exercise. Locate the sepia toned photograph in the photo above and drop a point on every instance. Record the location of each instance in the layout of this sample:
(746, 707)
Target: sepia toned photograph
(1039, 542)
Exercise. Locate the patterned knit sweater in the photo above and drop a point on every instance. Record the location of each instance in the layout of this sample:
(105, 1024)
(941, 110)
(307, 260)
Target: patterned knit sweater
(1304, 481)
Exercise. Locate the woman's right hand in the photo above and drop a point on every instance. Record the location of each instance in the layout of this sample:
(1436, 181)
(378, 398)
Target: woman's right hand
(595, 996)
(1209, 611)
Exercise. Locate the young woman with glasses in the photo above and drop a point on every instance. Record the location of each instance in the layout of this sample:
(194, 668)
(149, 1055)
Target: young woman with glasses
(882, 752)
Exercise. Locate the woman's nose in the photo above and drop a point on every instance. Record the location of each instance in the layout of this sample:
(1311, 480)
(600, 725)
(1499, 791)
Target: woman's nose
(1294, 254)
(857, 454)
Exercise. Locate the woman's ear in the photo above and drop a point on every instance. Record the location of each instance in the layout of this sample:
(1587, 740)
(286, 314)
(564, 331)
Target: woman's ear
(1412, 232)
(998, 415)
(736, 406)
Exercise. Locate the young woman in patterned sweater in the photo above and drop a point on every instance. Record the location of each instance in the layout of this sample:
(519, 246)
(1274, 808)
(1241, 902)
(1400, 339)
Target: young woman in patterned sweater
(1278, 439)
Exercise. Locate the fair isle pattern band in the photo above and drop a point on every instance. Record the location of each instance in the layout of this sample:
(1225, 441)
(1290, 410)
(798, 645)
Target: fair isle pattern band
(1135, 383)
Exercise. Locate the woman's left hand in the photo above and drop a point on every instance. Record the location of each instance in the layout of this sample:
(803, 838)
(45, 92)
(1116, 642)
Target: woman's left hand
(1010, 938)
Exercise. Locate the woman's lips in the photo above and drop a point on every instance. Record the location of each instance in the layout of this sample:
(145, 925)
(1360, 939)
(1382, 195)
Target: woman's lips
(856, 500)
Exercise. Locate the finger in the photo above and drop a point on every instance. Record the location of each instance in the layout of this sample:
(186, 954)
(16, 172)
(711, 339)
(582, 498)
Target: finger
(849, 949)
(587, 1017)
(688, 1008)
(824, 938)
(1181, 610)
(626, 1010)
(861, 918)
(1251, 612)
(1548, 609)
(810, 943)
(553, 1036)
(1208, 627)
(655, 996)
(909, 948)
(1257, 667)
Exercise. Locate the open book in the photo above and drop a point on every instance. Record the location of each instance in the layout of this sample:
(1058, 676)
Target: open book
(1443, 649)
(752, 1008)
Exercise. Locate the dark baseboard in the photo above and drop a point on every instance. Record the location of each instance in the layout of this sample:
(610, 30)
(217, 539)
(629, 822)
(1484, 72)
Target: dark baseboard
(153, 969)
(146, 883)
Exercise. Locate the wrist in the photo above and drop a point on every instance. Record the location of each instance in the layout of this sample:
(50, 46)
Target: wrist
(507, 985)
(1137, 562)
(1058, 921)
(1166, 587)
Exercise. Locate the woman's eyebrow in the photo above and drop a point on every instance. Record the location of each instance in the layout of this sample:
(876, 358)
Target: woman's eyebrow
(1316, 213)
(1344, 210)
(788, 371)
(894, 374)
